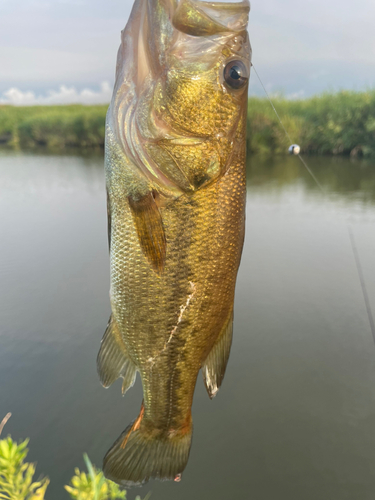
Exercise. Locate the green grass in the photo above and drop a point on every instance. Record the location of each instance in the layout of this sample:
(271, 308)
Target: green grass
(332, 123)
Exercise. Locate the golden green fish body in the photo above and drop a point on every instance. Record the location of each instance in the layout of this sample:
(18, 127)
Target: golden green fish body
(175, 167)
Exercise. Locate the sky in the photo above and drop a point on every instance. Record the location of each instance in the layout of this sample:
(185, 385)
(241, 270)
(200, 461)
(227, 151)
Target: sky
(63, 51)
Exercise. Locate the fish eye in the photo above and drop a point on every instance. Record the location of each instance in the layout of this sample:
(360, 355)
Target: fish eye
(236, 74)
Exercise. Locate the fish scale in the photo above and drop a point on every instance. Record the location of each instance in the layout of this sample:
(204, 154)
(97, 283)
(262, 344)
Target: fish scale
(175, 175)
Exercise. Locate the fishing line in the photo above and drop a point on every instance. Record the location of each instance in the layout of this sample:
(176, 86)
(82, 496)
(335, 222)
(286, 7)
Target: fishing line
(286, 132)
(350, 231)
(362, 280)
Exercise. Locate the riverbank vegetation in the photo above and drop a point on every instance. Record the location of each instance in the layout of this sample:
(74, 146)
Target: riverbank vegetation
(338, 124)
(17, 480)
(332, 123)
(53, 127)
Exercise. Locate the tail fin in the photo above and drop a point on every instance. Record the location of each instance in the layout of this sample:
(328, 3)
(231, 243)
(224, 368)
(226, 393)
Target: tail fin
(142, 453)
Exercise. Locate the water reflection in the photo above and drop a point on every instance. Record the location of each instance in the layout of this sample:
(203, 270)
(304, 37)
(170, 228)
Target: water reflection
(343, 176)
(295, 418)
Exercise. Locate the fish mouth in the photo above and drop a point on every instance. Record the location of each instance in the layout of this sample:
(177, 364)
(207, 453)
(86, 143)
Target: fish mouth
(154, 24)
(200, 18)
(226, 7)
(243, 5)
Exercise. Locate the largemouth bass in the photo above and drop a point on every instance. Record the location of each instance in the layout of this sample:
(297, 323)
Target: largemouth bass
(175, 175)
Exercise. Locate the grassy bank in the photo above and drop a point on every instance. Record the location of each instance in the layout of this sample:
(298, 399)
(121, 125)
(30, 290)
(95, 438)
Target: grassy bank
(340, 123)
(54, 127)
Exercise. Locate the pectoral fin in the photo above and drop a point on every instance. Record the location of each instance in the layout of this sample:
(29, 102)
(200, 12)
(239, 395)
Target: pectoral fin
(215, 365)
(113, 361)
(150, 230)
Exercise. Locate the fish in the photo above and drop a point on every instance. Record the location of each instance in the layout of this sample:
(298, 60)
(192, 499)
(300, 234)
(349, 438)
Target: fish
(175, 152)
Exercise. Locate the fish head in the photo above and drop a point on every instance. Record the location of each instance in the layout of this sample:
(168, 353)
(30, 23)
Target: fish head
(179, 103)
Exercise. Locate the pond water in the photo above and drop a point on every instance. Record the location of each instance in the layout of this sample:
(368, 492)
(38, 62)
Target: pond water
(295, 418)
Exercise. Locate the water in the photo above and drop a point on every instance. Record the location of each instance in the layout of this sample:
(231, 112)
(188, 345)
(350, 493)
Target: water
(295, 418)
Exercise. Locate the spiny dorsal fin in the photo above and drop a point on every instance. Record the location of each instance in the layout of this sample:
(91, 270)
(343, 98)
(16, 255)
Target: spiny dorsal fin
(113, 361)
(215, 365)
(150, 230)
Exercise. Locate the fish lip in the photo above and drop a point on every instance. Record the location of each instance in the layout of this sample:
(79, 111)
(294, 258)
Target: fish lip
(201, 18)
(231, 6)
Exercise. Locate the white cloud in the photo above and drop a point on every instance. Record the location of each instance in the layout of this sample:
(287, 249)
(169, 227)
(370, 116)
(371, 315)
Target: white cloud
(65, 95)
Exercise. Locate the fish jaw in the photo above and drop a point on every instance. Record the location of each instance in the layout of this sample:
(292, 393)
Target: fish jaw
(170, 91)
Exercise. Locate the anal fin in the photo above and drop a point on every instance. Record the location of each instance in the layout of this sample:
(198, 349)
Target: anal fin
(150, 230)
(113, 361)
(214, 367)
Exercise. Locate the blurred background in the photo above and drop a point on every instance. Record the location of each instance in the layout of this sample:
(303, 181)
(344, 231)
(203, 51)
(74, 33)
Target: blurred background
(295, 418)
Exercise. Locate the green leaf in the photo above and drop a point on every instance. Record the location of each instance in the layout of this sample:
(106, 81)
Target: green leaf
(4, 449)
(16, 476)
